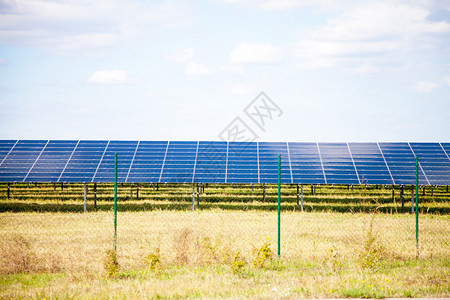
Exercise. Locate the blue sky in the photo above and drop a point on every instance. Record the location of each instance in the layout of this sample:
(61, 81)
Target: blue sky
(184, 70)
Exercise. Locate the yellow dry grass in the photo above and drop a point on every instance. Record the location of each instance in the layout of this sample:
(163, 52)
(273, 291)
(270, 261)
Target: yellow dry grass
(61, 254)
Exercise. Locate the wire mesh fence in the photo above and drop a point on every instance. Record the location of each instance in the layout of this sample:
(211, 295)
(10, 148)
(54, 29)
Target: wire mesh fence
(43, 227)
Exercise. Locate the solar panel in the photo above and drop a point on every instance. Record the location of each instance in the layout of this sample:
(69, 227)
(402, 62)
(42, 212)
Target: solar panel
(306, 164)
(179, 162)
(84, 161)
(401, 162)
(433, 161)
(242, 163)
(5, 148)
(211, 162)
(51, 162)
(125, 150)
(148, 161)
(18, 163)
(268, 163)
(370, 164)
(224, 162)
(337, 163)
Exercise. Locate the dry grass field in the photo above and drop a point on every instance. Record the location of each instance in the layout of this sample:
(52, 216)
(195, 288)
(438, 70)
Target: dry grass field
(164, 250)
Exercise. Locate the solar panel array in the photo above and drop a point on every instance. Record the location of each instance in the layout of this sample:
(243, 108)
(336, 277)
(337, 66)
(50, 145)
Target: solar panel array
(223, 162)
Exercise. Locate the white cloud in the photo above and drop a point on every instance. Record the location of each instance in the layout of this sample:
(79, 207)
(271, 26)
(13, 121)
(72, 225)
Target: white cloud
(234, 69)
(368, 30)
(193, 68)
(447, 80)
(242, 89)
(281, 4)
(425, 86)
(75, 27)
(111, 77)
(256, 53)
(181, 56)
(363, 69)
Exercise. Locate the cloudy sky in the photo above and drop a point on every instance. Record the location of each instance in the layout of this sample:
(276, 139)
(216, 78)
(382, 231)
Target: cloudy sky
(185, 70)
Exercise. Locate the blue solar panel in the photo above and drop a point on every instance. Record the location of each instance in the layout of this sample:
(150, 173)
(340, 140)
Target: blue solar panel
(434, 162)
(370, 164)
(401, 162)
(20, 160)
(148, 161)
(337, 163)
(224, 162)
(211, 162)
(84, 161)
(179, 162)
(242, 163)
(5, 148)
(268, 163)
(125, 150)
(306, 164)
(51, 162)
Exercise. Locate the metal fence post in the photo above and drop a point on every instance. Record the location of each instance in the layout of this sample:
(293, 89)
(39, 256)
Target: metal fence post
(279, 208)
(115, 202)
(417, 205)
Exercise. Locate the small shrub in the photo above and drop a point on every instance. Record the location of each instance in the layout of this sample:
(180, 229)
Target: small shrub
(212, 251)
(237, 265)
(111, 264)
(17, 256)
(261, 255)
(153, 260)
(334, 259)
(372, 252)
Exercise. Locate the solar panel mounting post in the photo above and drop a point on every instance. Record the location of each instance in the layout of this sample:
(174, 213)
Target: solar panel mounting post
(7, 190)
(301, 196)
(402, 198)
(264, 192)
(85, 196)
(95, 195)
(193, 196)
(298, 205)
(198, 197)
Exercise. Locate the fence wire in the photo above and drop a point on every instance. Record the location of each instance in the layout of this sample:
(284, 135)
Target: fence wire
(43, 227)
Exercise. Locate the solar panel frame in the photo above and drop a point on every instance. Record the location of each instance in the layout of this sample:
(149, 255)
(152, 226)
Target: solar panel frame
(52, 161)
(224, 162)
(84, 161)
(19, 161)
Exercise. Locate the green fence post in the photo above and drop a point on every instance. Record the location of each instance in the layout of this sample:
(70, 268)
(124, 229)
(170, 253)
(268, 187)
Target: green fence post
(115, 202)
(417, 206)
(279, 183)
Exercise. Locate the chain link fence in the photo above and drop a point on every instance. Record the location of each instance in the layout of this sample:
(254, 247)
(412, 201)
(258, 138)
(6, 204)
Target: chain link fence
(43, 227)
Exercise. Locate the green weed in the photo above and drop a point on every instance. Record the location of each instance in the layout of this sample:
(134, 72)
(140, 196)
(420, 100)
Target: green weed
(261, 255)
(111, 264)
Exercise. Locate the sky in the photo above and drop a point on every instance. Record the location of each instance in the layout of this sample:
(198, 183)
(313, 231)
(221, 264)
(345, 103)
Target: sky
(266, 70)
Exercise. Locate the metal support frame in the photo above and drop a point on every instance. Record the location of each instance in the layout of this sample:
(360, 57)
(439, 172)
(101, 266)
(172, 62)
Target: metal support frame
(264, 192)
(298, 205)
(8, 191)
(193, 196)
(85, 196)
(62, 186)
(198, 197)
(393, 193)
(301, 196)
(423, 191)
(137, 190)
(402, 196)
(95, 195)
